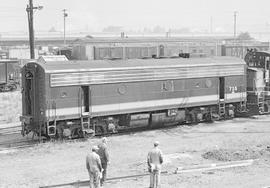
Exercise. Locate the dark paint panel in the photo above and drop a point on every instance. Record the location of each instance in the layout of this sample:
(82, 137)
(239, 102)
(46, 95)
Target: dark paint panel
(142, 91)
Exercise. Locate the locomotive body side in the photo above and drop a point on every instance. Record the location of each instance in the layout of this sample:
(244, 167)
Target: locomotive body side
(104, 97)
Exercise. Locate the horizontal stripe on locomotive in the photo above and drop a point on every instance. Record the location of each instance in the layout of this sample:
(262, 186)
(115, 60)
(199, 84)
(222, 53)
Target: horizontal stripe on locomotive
(180, 102)
(86, 78)
(132, 64)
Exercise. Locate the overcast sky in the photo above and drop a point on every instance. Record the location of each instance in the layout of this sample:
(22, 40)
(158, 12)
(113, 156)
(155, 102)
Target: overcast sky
(137, 14)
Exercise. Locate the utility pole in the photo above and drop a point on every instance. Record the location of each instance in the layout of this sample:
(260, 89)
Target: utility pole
(211, 24)
(30, 13)
(234, 31)
(65, 15)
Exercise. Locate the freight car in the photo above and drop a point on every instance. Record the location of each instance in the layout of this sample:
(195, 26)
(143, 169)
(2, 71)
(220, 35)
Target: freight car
(74, 98)
(9, 75)
(258, 81)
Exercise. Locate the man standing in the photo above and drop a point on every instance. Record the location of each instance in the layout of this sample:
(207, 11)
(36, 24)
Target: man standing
(104, 157)
(94, 168)
(154, 161)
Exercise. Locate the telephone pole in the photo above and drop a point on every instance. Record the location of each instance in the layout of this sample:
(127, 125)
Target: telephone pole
(30, 14)
(211, 24)
(234, 31)
(65, 15)
(234, 34)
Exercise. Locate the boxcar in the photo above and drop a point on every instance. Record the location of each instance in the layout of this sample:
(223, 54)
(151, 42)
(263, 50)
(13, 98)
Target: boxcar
(74, 98)
(9, 74)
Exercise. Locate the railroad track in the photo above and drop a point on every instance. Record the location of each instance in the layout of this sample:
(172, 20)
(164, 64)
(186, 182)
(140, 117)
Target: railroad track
(10, 130)
(11, 139)
(179, 170)
(17, 144)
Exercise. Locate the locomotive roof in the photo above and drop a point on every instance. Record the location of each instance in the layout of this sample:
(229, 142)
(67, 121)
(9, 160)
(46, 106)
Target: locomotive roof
(103, 65)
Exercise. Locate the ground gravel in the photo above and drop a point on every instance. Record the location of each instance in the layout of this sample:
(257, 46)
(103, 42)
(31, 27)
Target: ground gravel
(183, 146)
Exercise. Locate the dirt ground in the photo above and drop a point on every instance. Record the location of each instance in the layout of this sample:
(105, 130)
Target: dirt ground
(10, 102)
(237, 139)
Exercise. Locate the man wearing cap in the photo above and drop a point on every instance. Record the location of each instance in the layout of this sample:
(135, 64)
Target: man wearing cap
(104, 157)
(154, 161)
(94, 167)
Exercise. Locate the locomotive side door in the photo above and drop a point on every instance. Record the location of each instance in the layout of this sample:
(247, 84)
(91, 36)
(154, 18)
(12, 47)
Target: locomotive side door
(221, 88)
(85, 100)
(85, 111)
(29, 92)
(222, 103)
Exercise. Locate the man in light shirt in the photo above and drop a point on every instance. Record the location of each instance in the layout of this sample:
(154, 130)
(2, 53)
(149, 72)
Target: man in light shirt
(93, 165)
(154, 161)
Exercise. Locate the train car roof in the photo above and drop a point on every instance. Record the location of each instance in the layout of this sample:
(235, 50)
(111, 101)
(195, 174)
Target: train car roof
(9, 61)
(103, 65)
(267, 53)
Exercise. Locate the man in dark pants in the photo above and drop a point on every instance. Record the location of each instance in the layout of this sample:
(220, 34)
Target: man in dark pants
(93, 165)
(104, 157)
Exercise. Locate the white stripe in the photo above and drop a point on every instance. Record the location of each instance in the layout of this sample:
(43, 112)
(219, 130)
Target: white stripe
(141, 75)
(187, 64)
(153, 103)
(230, 96)
(147, 104)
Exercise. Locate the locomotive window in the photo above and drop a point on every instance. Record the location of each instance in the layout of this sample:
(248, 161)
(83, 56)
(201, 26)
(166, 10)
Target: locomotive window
(63, 94)
(28, 75)
(208, 83)
(212, 52)
(167, 86)
(122, 89)
(164, 88)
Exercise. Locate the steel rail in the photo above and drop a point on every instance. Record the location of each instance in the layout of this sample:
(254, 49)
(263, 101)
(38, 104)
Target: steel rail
(194, 168)
(86, 182)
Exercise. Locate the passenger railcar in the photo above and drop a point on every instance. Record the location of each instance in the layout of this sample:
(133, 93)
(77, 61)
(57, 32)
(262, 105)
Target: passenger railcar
(73, 98)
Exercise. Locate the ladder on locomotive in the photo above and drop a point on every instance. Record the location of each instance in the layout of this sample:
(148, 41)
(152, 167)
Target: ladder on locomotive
(86, 124)
(221, 108)
(51, 126)
(261, 99)
(243, 101)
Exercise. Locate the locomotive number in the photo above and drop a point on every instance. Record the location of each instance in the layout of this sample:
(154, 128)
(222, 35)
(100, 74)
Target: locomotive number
(233, 89)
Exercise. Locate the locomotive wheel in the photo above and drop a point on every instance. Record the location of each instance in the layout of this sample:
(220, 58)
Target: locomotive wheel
(79, 133)
(14, 87)
(59, 133)
(99, 130)
(266, 108)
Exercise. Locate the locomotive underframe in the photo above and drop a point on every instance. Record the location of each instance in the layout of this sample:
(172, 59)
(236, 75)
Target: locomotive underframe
(72, 128)
(258, 103)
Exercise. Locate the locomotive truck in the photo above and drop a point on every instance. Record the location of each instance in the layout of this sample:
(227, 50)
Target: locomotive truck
(77, 98)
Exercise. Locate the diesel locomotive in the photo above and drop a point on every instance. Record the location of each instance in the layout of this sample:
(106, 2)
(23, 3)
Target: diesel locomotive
(258, 83)
(78, 98)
